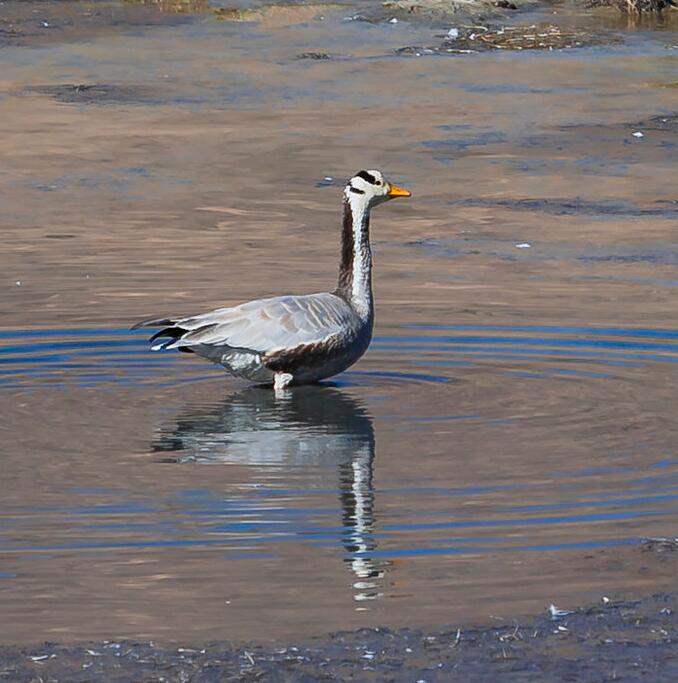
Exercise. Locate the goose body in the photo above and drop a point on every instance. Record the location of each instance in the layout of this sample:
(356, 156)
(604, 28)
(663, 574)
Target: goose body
(295, 338)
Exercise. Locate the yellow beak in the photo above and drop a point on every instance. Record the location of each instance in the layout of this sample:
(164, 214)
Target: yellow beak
(395, 191)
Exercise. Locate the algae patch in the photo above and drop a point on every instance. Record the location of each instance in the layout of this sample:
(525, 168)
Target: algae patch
(275, 15)
(175, 6)
(447, 9)
(468, 40)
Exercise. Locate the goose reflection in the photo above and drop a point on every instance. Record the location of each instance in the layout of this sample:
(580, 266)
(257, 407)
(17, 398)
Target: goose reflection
(317, 431)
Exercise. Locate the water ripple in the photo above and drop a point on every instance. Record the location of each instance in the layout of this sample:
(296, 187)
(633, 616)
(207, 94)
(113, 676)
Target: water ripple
(312, 457)
(112, 355)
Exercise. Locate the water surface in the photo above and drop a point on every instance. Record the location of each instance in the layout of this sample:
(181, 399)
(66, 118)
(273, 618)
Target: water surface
(510, 435)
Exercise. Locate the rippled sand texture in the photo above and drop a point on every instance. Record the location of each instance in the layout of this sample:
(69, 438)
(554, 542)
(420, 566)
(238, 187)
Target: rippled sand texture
(504, 444)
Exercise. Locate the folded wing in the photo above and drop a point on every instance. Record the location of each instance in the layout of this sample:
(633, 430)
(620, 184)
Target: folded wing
(264, 325)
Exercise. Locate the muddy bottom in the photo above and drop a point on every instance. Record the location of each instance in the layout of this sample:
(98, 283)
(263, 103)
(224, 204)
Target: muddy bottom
(624, 640)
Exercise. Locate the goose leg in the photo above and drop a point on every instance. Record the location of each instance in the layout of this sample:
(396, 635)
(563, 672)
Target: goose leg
(281, 380)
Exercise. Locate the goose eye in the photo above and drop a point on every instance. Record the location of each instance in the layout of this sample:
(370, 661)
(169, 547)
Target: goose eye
(378, 182)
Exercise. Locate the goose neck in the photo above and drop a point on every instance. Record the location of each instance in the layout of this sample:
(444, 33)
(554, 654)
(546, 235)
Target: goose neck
(355, 271)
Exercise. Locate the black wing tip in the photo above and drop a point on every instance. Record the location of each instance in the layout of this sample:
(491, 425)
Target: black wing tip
(154, 322)
(173, 333)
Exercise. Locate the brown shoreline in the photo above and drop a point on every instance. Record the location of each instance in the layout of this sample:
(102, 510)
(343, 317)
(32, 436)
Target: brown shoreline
(625, 640)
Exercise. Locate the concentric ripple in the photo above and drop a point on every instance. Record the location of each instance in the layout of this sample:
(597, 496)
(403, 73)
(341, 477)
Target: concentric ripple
(424, 353)
(451, 447)
(301, 443)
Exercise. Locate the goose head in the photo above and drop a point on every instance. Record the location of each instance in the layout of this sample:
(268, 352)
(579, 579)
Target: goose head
(371, 188)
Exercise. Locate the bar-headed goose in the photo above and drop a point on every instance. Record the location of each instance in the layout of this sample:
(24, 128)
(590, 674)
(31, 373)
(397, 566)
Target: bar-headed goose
(295, 338)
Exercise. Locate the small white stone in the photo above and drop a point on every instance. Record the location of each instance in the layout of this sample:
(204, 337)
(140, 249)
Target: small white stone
(18, 283)
(393, 21)
(556, 613)
(638, 134)
(523, 245)
(453, 33)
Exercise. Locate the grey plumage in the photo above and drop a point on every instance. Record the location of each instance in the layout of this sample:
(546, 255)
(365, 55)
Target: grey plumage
(267, 325)
(244, 338)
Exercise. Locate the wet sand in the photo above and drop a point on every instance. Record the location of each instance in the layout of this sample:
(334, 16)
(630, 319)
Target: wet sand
(506, 443)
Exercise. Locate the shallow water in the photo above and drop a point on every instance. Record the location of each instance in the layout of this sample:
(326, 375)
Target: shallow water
(509, 436)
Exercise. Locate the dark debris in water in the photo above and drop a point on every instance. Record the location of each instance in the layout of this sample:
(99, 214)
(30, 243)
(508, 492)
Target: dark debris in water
(99, 93)
(612, 640)
(665, 122)
(364, 18)
(515, 249)
(577, 207)
(472, 39)
(314, 55)
(660, 257)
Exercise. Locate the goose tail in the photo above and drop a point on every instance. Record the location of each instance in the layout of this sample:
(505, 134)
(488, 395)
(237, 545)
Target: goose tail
(169, 333)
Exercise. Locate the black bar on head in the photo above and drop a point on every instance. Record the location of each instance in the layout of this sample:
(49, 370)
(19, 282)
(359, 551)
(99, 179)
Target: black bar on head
(356, 190)
(366, 176)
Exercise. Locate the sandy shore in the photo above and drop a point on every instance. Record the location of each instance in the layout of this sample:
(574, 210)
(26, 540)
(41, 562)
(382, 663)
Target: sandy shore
(634, 640)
